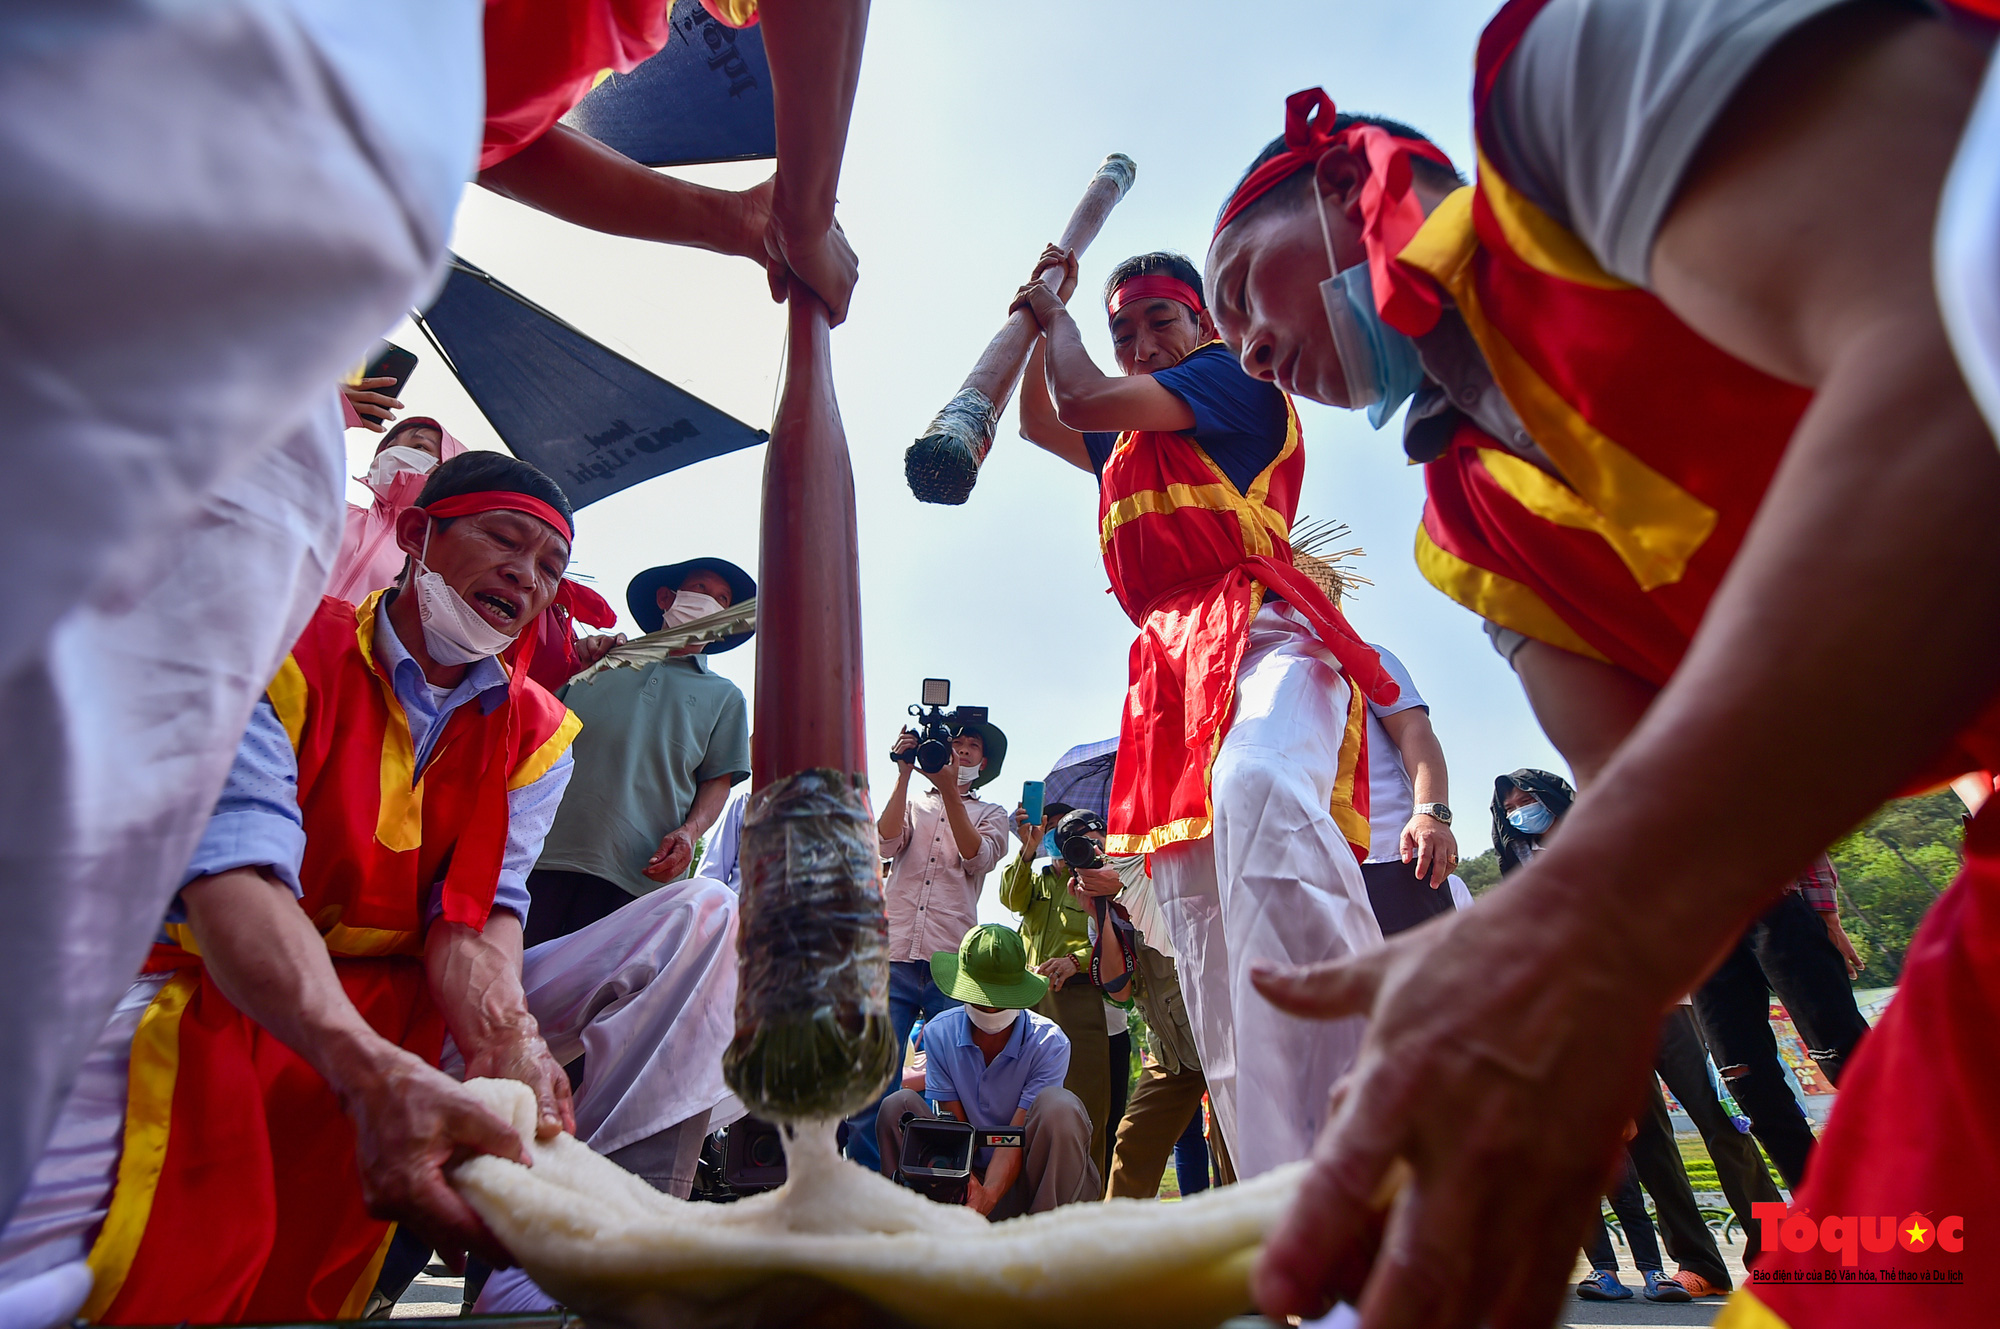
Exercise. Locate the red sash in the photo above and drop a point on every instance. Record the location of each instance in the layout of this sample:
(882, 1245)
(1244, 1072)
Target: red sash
(1190, 558)
(234, 1145)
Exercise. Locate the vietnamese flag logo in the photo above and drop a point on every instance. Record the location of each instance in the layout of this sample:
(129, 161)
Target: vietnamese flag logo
(1916, 1233)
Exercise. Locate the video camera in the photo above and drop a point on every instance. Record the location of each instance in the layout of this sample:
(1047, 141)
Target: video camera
(937, 1154)
(1073, 842)
(936, 728)
(743, 1158)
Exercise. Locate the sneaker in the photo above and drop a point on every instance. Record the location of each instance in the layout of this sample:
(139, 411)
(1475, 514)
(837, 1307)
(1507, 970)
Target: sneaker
(1661, 1288)
(1697, 1286)
(1603, 1285)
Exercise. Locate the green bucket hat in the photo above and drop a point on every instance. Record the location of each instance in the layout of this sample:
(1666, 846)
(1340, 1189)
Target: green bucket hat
(990, 968)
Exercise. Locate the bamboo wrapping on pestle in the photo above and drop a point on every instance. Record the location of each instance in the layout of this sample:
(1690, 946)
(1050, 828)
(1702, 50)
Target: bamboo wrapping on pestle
(944, 463)
(813, 1035)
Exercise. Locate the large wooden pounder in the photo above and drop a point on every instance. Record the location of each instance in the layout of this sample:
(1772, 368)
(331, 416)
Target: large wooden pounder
(943, 465)
(814, 1040)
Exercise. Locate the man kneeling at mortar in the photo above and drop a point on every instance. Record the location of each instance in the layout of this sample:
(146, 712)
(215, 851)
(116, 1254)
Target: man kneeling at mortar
(994, 1063)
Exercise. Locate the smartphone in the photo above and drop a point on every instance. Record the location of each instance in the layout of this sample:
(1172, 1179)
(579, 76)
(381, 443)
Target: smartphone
(1031, 799)
(391, 361)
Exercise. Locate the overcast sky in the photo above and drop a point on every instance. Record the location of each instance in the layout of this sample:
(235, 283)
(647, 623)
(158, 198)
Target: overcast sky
(976, 127)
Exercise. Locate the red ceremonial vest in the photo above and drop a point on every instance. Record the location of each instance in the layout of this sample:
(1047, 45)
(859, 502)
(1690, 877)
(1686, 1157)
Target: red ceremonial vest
(1665, 443)
(233, 1143)
(1190, 558)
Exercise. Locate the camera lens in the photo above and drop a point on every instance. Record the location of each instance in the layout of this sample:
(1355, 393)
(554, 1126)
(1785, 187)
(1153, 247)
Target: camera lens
(765, 1151)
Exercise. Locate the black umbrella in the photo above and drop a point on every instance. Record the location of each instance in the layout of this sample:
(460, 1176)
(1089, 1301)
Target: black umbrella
(1082, 777)
(706, 97)
(595, 421)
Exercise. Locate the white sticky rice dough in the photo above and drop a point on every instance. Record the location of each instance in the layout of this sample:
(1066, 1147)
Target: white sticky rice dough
(608, 1245)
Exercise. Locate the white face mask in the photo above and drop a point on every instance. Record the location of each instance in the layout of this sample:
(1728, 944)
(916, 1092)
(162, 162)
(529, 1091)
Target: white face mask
(689, 606)
(399, 460)
(991, 1022)
(454, 632)
(967, 774)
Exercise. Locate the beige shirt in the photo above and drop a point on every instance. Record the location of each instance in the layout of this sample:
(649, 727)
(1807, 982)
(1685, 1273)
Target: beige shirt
(932, 895)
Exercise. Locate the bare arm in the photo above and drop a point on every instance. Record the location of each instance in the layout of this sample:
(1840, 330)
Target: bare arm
(475, 978)
(411, 1120)
(895, 811)
(1040, 424)
(676, 851)
(1003, 1169)
(1426, 841)
(572, 176)
(814, 47)
(1086, 398)
(1866, 560)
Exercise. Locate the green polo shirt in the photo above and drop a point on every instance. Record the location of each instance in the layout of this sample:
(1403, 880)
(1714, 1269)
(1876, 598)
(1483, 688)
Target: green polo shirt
(650, 736)
(1052, 923)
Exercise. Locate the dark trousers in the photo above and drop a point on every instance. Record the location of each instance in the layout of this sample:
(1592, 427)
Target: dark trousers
(1739, 1167)
(1629, 1203)
(560, 903)
(1401, 899)
(912, 992)
(1788, 952)
(1656, 1160)
(1191, 1158)
(1121, 1093)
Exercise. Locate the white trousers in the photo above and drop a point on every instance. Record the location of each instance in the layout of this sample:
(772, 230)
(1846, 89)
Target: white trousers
(1967, 250)
(647, 994)
(1275, 881)
(211, 208)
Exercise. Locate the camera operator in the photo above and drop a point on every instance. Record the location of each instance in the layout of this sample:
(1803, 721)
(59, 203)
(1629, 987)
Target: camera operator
(1056, 931)
(941, 844)
(993, 1063)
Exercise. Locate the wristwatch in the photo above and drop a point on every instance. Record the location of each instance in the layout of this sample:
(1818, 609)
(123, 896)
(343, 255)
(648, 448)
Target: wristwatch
(1436, 810)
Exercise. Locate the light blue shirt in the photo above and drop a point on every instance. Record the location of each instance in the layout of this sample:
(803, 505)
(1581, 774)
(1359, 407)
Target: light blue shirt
(257, 823)
(1036, 1058)
(722, 850)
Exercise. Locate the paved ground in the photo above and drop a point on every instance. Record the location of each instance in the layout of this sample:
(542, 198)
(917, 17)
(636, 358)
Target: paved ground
(438, 1293)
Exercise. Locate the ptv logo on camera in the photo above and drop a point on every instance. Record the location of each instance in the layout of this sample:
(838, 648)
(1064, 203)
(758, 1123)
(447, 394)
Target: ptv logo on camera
(1847, 1236)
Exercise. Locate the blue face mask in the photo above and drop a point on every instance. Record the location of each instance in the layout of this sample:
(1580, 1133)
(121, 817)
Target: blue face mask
(1531, 818)
(1381, 364)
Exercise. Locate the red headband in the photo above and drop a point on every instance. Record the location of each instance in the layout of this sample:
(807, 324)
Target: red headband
(499, 500)
(1390, 211)
(1154, 286)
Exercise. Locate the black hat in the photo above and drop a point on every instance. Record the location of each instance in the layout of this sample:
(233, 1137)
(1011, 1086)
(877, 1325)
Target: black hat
(642, 597)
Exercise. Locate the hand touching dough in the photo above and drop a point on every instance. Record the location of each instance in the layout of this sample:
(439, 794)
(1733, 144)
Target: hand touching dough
(610, 1246)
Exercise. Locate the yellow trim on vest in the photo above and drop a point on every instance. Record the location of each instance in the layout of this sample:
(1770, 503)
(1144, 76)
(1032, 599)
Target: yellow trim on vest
(287, 695)
(537, 763)
(364, 1287)
(1497, 598)
(1553, 501)
(149, 1107)
(181, 935)
(399, 816)
(1254, 514)
(1174, 832)
(1744, 1311)
(1353, 826)
(1653, 524)
(363, 943)
(1538, 239)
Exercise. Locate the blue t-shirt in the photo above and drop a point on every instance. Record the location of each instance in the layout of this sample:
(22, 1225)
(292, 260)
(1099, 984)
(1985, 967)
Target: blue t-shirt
(1239, 421)
(1036, 1058)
